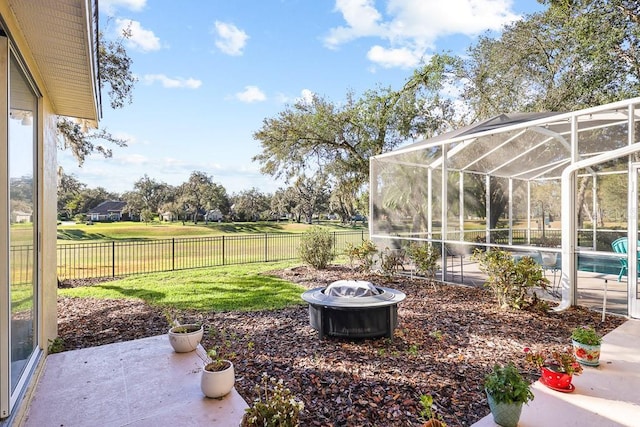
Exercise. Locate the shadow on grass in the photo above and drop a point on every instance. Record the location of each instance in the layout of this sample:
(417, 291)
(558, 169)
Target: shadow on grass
(143, 294)
(83, 235)
(247, 227)
(79, 235)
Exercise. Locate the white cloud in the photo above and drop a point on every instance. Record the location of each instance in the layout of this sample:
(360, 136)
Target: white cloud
(362, 19)
(389, 58)
(172, 83)
(251, 94)
(109, 6)
(412, 27)
(133, 159)
(141, 38)
(230, 39)
(306, 96)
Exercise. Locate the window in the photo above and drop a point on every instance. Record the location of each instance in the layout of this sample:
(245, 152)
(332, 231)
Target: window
(19, 284)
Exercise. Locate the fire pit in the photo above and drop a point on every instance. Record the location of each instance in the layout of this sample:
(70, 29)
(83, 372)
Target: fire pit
(354, 309)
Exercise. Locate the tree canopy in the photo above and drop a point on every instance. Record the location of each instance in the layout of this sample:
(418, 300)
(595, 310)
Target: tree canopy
(115, 73)
(574, 54)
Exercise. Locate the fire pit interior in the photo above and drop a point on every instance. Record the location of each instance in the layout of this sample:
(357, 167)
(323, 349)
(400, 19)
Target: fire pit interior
(354, 309)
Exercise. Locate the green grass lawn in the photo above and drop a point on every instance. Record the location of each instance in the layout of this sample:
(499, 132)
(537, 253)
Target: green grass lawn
(238, 288)
(126, 230)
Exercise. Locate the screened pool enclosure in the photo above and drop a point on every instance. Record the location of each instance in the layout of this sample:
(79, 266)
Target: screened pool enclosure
(560, 187)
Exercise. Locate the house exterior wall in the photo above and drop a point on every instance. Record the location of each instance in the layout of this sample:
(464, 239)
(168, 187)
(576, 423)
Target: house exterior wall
(46, 172)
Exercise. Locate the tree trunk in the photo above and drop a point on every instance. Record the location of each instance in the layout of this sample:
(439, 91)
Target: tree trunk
(582, 190)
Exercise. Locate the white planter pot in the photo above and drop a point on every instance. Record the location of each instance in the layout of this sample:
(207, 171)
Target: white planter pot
(586, 354)
(217, 383)
(184, 342)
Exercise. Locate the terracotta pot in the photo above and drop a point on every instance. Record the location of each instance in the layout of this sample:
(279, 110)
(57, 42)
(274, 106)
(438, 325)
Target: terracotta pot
(184, 342)
(555, 379)
(217, 383)
(586, 354)
(434, 423)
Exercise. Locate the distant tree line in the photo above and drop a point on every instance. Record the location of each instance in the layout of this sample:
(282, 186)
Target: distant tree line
(194, 199)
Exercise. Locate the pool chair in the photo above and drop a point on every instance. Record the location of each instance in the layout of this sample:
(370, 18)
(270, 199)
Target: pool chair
(619, 246)
(552, 261)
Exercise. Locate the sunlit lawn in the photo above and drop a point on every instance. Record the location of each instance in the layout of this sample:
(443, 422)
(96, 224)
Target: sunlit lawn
(238, 287)
(127, 230)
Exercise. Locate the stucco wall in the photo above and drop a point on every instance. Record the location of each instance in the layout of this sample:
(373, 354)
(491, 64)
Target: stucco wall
(47, 208)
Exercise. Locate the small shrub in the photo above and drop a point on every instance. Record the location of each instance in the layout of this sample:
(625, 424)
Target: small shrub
(390, 260)
(511, 281)
(361, 255)
(424, 257)
(56, 345)
(275, 406)
(316, 248)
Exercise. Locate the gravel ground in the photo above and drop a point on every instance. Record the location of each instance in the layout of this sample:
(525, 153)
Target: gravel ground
(447, 340)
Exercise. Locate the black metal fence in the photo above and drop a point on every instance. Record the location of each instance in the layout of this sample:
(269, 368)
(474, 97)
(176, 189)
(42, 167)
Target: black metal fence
(111, 259)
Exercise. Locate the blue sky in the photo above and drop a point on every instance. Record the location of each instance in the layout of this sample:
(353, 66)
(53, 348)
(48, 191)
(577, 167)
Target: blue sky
(210, 72)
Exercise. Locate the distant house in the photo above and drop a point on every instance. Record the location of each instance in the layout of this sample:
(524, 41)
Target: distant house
(213, 215)
(111, 210)
(19, 216)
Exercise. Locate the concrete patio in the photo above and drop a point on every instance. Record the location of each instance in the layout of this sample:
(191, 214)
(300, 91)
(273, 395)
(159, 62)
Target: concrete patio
(145, 383)
(606, 396)
(133, 383)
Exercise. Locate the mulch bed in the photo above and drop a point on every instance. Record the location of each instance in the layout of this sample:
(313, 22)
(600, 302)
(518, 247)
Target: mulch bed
(447, 340)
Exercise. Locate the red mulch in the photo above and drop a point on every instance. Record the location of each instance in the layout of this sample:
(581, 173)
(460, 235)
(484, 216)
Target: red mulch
(447, 340)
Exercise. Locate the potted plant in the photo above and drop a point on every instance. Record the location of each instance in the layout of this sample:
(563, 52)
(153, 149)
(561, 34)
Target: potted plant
(218, 375)
(506, 392)
(586, 345)
(275, 405)
(557, 368)
(185, 338)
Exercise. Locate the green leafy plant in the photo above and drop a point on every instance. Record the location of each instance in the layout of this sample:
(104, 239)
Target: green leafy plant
(56, 345)
(506, 385)
(510, 281)
(275, 406)
(176, 327)
(555, 360)
(316, 248)
(424, 257)
(217, 356)
(413, 350)
(215, 362)
(436, 335)
(426, 413)
(586, 335)
(361, 256)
